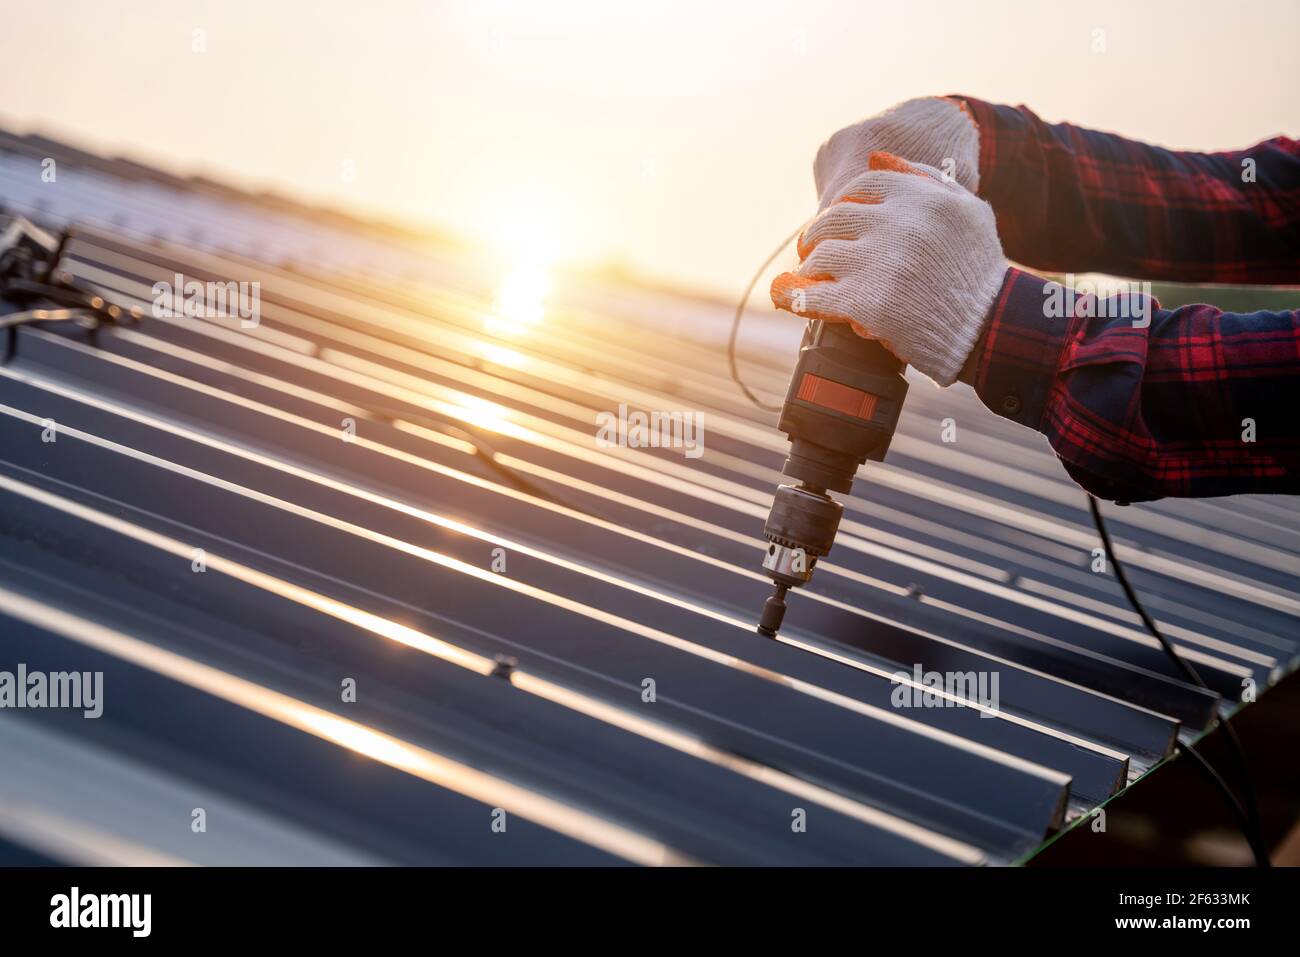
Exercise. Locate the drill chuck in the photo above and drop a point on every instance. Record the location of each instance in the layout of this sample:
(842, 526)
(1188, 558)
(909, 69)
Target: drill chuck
(800, 529)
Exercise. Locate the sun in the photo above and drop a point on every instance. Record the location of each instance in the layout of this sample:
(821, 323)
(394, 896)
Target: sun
(519, 303)
(524, 246)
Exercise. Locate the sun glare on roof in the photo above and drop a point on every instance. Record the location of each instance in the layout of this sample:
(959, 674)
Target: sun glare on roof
(503, 355)
(520, 301)
(526, 246)
(488, 415)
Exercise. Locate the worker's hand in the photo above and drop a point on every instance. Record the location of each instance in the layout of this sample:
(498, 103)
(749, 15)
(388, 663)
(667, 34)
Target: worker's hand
(907, 258)
(935, 131)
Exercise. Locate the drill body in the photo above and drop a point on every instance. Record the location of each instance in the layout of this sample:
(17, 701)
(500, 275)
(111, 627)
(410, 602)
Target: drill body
(840, 410)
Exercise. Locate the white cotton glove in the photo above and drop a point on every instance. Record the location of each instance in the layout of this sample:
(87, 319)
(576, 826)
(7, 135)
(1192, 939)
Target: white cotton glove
(935, 131)
(908, 259)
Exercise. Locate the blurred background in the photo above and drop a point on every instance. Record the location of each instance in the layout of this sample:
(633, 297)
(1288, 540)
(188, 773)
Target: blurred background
(672, 141)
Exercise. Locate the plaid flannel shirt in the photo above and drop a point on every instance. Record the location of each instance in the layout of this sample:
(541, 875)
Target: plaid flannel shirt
(1141, 402)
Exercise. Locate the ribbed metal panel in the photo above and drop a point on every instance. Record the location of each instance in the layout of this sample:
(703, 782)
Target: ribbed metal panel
(345, 473)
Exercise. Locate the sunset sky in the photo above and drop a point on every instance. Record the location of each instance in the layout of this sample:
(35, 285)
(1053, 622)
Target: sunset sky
(675, 139)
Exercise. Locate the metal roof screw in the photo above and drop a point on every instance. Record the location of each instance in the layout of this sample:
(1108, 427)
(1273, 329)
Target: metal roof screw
(505, 666)
(914, 591)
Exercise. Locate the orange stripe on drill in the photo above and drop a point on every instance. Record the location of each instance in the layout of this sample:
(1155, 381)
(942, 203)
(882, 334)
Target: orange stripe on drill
(837, 396)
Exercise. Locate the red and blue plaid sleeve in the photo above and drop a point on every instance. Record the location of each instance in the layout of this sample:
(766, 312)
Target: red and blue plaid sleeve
(1077, 200)
(1141, 402)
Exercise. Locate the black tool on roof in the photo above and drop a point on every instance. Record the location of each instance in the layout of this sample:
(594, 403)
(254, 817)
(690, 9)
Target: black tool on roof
(840, 411)
(34, 289)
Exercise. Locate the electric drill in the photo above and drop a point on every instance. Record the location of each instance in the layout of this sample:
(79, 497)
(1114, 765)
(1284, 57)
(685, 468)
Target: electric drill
(840, 410)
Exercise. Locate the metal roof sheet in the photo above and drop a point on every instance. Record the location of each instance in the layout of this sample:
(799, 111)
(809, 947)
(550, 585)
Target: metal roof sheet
(232, 521)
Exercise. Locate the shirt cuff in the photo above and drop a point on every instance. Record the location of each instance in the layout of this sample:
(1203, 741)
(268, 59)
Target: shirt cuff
(987, 117)
(1017, 363)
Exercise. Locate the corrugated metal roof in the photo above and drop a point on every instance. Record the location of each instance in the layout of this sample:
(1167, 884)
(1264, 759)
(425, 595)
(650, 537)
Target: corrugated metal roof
(234, 521)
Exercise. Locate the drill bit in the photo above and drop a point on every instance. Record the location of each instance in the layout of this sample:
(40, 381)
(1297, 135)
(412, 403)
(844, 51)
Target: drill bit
(769, 623)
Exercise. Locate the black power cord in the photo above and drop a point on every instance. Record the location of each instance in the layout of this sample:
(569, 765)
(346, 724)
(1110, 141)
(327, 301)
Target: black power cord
(1247, 817)
(740, 311)
(483, 451)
